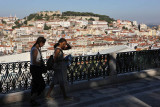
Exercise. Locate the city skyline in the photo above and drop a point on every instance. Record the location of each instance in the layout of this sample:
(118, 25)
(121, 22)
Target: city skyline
(142, 11)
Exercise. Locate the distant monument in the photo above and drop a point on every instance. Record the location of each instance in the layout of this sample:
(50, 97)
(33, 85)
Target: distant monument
(49, 13)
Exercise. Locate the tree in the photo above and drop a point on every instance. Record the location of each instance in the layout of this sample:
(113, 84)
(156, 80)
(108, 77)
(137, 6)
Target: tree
(30, 25)
(58, 15)
(38, 17)
(18, 25)
(4, 22)
(31, 16)
(85, 27)
(41, 15)
(47, 18)
(63, 32)
(16, 22)
(66, 18)
(25, 22)
(46, 27)
(54, 15)
(124, 28)
(91, 19)
(13, 27)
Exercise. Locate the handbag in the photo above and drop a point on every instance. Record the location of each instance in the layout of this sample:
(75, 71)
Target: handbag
(50, 63)
(42, 66)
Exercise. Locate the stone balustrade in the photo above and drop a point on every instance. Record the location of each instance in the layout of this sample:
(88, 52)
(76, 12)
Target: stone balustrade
(15, 76)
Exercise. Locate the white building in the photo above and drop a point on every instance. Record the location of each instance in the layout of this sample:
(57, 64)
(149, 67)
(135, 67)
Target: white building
(82, 22)
(65, 23)
(99, 24)
(135, 23)
(39, 24)
(54, 24)
(19, 31)
(6, 49)
(143, 27)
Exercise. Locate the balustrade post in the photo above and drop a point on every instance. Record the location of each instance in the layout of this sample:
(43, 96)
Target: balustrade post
(0, 80)
(0, 68)
(1, 88)
(48, 79)
(71, 76)
(26, 84)
(112, 64)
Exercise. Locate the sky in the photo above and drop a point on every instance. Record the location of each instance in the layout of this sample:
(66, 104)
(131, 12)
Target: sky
(142, 11)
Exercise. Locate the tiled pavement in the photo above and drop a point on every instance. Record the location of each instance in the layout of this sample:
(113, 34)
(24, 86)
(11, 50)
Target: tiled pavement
(138, 93)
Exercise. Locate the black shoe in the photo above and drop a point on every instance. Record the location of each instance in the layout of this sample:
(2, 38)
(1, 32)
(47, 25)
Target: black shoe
(34, 103)
(68, 98)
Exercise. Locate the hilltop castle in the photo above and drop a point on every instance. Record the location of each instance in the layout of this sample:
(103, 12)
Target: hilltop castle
(49, 13)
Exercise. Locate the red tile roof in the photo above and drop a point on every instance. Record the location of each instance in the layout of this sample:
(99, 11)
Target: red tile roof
(108, 39)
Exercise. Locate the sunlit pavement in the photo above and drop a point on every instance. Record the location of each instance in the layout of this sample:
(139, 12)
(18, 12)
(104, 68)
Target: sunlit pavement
(138, 93)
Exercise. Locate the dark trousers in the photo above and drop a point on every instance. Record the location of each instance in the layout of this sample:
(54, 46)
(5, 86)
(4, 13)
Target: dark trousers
(38, 83)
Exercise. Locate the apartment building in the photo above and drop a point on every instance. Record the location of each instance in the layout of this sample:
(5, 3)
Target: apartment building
(143, 27)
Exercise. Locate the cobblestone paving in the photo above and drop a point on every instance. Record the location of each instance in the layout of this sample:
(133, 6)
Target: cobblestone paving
(138, 93)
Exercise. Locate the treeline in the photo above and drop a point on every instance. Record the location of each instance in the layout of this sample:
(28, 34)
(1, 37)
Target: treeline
(31, 16)
(101, 17)
(70, 13)
(37, 17)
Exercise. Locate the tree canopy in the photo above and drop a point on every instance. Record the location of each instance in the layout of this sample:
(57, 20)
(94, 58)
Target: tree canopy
(71, 13)
(46, 27)
(101, 17)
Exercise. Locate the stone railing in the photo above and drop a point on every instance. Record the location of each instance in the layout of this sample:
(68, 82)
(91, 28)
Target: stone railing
(16, 76)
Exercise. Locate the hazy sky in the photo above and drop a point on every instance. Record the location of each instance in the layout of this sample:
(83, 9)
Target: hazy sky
(143, 11)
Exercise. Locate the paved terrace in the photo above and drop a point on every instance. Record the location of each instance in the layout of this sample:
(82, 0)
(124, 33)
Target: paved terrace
(130, 90)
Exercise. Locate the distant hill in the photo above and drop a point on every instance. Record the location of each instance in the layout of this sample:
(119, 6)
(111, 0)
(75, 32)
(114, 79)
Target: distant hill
(37, 16)
(101, 17)
(151, 26)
